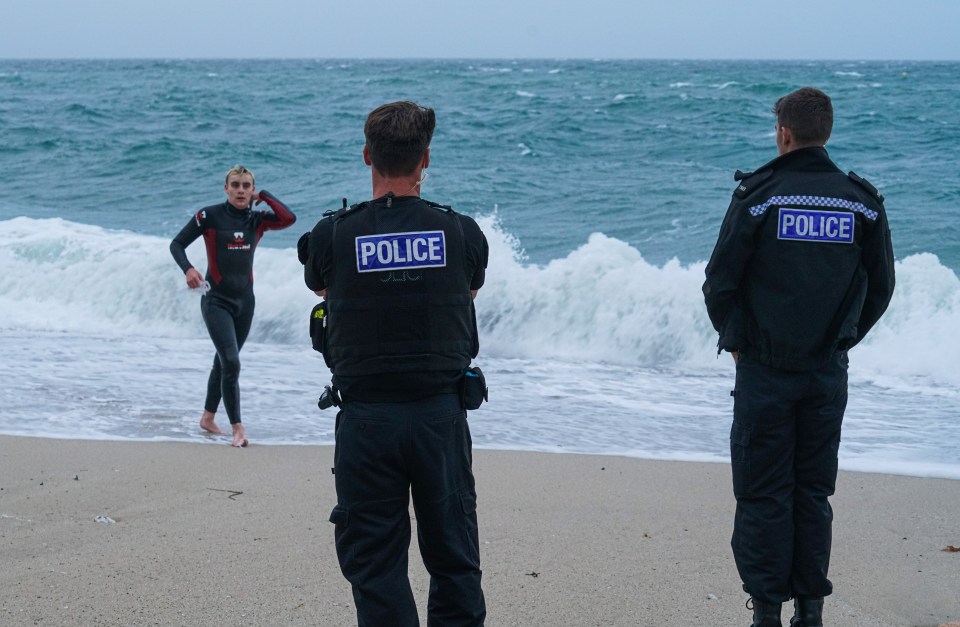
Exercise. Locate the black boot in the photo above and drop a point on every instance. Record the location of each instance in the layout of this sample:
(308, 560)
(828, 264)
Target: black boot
(807, 613)
(764, 614)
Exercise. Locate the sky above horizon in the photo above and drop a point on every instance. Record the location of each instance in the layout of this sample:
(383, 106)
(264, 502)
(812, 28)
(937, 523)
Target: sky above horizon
(682, 29)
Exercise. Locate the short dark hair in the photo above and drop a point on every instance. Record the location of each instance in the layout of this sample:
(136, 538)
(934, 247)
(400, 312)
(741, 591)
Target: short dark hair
(808, 113)
(397, 135)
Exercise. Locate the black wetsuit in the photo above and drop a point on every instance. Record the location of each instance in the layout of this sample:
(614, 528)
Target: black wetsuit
(231, 236)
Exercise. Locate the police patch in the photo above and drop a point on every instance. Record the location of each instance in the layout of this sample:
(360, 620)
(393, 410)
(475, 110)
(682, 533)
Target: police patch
(809, 225)
(401, 251)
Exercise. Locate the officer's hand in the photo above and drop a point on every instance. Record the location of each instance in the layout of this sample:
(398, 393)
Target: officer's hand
(255, 196)
(736, 356)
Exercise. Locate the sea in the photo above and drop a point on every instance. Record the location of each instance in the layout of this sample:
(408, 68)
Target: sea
(600, 185)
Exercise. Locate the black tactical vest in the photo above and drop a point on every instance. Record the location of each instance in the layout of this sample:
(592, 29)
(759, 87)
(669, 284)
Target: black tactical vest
(399, 290)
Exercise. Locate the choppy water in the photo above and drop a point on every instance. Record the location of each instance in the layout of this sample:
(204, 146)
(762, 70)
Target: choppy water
(600, 185)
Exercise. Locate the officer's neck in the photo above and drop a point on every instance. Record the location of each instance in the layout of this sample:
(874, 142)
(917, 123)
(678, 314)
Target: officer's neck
(400, 186)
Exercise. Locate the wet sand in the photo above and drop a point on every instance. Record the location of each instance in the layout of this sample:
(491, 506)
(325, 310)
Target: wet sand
(207, 535)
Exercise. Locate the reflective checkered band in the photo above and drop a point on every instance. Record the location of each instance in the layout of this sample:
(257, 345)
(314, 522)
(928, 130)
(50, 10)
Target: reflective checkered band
(813, 201)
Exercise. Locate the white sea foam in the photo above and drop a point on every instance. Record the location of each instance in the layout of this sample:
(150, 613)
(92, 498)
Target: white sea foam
(917, 337)
(602, 302)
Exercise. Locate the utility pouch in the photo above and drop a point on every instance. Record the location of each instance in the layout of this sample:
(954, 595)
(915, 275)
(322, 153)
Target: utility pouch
(318, 326)
(329, 398)
(473, 388)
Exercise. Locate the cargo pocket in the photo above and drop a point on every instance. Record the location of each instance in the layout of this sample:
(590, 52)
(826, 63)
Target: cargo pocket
(340, 517)
(468, 502)
(740, 458)
(471, 545)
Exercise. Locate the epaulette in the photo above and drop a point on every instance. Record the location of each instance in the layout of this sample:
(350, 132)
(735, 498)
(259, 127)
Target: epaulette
(749, 181)
(865, 184)
(437, 205)
(336, 214)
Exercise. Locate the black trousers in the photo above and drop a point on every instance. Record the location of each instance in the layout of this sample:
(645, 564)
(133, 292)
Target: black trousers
(783, 449)
(228, 323)
(385, 452)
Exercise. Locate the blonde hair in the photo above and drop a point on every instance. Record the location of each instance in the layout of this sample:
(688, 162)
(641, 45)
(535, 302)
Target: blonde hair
(239, 170)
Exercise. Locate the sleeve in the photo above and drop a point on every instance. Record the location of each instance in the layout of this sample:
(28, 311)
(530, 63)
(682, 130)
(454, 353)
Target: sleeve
(186, 236)
(318, 254)
(478, 251)
(878, 262)
(281, 217)
(725, 271)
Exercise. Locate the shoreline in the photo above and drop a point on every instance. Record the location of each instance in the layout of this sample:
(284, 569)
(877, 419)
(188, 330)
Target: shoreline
(206, 535)
(893, 469)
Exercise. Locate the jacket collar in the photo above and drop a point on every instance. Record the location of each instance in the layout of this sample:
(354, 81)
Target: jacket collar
(812, 158)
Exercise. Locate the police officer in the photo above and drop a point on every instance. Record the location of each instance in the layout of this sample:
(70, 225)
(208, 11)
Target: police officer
(399, 275)
(802, 270)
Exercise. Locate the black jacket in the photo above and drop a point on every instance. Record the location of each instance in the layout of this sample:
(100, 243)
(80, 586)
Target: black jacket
(803, 266)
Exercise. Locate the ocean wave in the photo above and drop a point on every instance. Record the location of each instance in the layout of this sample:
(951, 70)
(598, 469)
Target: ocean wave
(601, 303)
(85, 112)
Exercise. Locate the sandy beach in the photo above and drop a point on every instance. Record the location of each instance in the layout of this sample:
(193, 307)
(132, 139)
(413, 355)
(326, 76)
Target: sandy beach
(210, 535)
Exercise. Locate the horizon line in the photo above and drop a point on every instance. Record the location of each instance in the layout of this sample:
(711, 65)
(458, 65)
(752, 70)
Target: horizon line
(487, 59)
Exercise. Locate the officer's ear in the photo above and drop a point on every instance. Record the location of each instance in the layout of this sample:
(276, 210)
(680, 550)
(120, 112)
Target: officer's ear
(785, 140)
(426, 159)
(366, 155)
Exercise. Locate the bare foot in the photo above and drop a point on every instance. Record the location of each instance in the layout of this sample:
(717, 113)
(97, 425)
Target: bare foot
(238, 438)
(208, 424)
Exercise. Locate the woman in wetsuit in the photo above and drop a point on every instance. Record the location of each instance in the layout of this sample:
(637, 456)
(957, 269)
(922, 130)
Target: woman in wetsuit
(231, 231)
